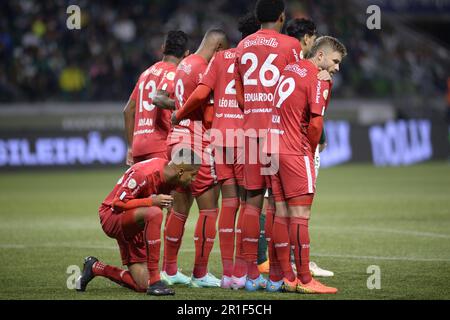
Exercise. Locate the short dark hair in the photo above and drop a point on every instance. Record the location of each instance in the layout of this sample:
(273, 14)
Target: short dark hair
(248, 24)
(176, 43)
(269, 10)
(298, 28)
(327, 41)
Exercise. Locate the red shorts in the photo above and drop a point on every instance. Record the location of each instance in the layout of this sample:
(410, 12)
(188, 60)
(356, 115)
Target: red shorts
(206, 176)
(132, 247)
(295, 177)
(148, 156)
(230, 163)
(255, 163)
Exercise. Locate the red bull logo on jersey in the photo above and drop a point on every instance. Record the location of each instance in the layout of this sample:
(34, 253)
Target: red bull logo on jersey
(261, 41)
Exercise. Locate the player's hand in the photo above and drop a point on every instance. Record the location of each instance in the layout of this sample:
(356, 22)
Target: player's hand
(130, 161)
(174, 118)
(163, 93)
(324, 75)
(322, 146)
(162, 200)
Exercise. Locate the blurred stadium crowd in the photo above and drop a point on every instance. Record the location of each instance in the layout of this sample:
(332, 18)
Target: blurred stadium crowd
(42, 60)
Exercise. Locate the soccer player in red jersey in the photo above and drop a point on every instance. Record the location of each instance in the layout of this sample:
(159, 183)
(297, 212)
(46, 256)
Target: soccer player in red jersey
(297, 121)
(260, 59)
(306, 32)
(227, 138)
(132, 215)
(190, 132)
(147, 129)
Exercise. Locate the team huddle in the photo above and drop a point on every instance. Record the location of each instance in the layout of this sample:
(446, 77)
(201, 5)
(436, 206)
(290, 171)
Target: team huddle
(232, 122)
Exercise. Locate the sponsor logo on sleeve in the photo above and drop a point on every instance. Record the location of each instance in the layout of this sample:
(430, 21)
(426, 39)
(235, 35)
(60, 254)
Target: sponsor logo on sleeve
(318, 88)
(171, 76)
(132, 184)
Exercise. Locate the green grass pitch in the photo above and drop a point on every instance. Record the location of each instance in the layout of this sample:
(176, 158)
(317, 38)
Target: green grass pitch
(394, 218)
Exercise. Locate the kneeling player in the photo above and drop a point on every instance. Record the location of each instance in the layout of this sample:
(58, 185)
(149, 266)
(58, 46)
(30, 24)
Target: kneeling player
(300, 103)
(132, 215)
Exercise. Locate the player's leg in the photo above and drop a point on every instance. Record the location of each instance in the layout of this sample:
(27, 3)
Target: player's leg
(255, 185)
(300, 211)
(263, 262)
(225, 163)
(275, 272)
(93, 267)
(173, 235)
(174, 231)
(204, 235)
(112, 226)
(240, 265)
(150, 220)
(227, 221)
(316, 271)
(281, 243)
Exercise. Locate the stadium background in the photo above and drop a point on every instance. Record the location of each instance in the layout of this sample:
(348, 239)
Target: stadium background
(382, 200)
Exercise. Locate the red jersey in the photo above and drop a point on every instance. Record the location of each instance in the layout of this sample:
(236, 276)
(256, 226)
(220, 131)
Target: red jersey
(151, 124)
(261, 57)
(299, 94)
(220, 77)
(140, 181)
(188, 75)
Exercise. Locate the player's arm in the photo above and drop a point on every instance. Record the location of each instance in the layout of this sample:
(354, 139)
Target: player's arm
(197, 99)
(239, 86)
(318, 97)
(129, 195)
(129, 113)
(160, 200)
(315, 130)
(323, 140)
(162, 100)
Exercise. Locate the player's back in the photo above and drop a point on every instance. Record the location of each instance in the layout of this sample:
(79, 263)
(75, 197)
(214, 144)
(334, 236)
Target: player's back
(261, 58)
(188, 75)
(298, 93)
(140, 180)
(151, 124)
(219, 77)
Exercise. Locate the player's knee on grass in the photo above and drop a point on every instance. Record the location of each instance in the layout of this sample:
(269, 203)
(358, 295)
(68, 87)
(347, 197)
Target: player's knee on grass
(139, 273)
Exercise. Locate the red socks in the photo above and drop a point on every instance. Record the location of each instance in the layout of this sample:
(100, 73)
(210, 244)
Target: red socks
(240, 266)
(250, 238)
(205, 232)
(275, 273)
(281, 240)
(227, 220)
(117, 275)
(152, 236)
(300, 240)
(172, 241)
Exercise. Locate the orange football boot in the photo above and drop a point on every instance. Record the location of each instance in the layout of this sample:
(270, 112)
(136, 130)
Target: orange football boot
(314, 286)
(290, 286)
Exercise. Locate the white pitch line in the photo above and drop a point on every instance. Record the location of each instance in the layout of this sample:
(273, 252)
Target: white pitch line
(384, 230)
(340, 256)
